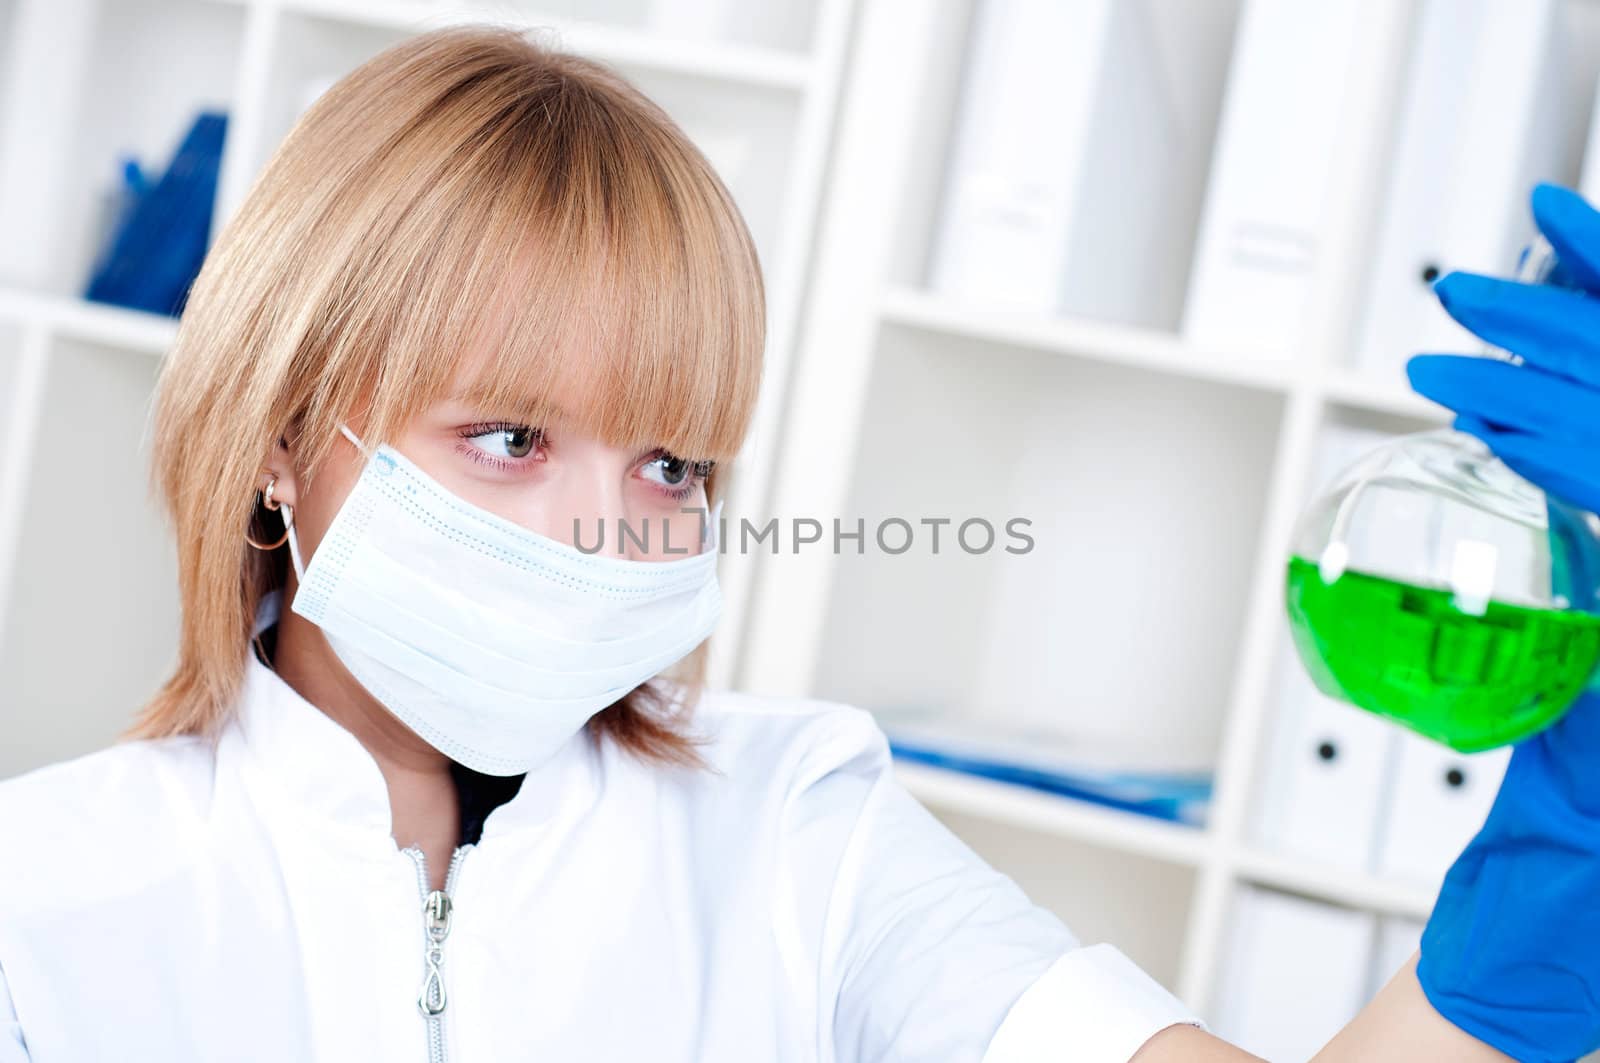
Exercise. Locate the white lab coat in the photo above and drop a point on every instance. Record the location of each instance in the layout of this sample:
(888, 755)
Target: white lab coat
(170, 901)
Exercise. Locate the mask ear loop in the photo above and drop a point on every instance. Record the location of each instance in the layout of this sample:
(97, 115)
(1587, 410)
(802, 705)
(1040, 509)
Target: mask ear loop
(294, 544)
(288, 520)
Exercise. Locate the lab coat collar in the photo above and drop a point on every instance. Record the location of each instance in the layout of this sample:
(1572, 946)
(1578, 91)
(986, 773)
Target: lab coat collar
(324, 770)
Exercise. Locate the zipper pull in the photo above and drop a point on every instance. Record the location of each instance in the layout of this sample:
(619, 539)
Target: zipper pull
(431, 999)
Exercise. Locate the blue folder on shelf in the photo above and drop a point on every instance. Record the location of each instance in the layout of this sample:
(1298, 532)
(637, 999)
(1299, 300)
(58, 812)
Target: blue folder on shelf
(160, 241)
(1140, 781)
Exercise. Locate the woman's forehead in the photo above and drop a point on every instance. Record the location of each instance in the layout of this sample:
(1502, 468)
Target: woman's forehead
(594, 354)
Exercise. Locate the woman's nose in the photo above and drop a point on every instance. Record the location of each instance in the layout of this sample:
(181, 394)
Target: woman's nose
(605, 524)
(590, 513)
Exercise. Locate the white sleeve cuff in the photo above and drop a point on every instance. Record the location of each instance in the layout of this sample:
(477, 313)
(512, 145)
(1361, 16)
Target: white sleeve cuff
(1092, 1005)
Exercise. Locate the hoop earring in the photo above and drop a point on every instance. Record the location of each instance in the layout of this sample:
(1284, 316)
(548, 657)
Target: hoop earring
(266, 500)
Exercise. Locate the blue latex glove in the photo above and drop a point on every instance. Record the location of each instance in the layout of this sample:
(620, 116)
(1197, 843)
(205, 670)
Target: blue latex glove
(1511, 953)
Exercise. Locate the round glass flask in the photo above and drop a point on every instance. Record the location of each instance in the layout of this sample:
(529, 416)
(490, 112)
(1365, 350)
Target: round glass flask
(1431, 584)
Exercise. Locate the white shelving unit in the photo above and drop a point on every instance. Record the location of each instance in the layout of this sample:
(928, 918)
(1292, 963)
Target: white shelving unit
(84, 563)
(1162, 480)
(1162, 477)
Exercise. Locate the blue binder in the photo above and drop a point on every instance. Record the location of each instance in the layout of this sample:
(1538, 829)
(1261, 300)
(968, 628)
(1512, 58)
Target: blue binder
(1143, 784)
(158, 246)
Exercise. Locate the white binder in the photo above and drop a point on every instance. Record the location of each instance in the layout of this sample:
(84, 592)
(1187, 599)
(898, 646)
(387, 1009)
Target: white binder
(1061, 193)
(1330, 778)
(1267, 201)
(1439, 801)
(1484, 118)
(1296, 972)
(1329, 764)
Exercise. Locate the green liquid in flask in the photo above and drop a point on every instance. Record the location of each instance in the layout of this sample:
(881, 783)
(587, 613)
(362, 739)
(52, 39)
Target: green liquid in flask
(1408, 652)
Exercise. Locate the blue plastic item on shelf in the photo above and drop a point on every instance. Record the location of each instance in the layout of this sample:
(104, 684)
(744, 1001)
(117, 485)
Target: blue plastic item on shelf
(1133, 781)
(161, 241)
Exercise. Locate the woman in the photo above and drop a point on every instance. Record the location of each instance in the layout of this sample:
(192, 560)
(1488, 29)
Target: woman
(436, 775)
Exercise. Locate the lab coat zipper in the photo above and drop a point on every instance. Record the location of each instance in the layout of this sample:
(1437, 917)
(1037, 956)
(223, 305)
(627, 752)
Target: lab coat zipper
(437, 909)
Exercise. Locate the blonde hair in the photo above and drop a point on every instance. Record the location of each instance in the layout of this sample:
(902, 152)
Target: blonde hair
(467, 186)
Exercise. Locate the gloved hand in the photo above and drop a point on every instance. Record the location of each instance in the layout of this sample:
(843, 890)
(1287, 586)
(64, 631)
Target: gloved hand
(1511, 953)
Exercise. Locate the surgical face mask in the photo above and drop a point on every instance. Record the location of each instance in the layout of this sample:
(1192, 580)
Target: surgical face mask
(492, 642)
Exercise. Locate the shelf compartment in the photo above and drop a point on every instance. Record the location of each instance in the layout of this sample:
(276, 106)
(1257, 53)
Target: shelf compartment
(748, 135)
(130, 82)
(1064, 635)
(1154, 72)
(86, 499)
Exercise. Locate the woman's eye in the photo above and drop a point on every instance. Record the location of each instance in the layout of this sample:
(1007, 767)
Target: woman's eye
(511, 441)
(670, 470)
